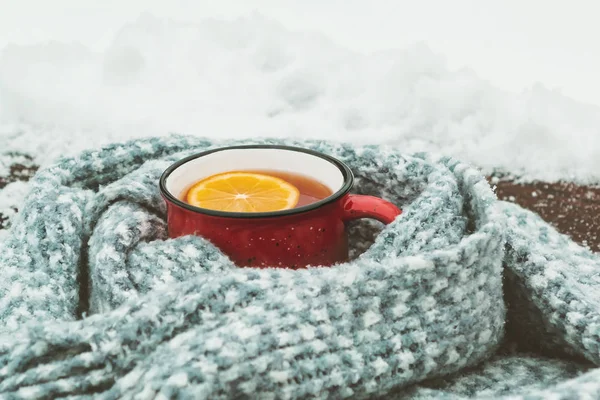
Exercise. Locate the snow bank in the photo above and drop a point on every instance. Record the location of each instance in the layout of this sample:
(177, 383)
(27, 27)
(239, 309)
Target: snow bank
(251, 77)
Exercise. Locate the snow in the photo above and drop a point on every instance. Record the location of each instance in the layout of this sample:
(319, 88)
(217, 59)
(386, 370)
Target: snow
(11, 197)
(512, 43)
(252, 76)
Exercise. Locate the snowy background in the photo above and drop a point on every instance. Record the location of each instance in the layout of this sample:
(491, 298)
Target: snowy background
(511, 85)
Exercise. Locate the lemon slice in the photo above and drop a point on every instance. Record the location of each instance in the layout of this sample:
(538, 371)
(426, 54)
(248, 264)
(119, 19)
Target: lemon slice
(243, 192)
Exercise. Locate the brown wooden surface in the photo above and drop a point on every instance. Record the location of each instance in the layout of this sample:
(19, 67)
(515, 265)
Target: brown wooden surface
(573, 209)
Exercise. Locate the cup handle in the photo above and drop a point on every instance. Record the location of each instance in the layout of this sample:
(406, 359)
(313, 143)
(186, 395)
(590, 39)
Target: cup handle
(357, 206)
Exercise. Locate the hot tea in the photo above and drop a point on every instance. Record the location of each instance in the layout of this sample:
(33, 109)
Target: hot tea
(261, 215)
(310, 189)
(255, 191)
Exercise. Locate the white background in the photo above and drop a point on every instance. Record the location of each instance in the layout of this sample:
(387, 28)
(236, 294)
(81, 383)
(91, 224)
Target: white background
(512, 43)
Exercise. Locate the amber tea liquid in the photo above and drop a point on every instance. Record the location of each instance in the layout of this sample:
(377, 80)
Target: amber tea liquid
(310, 189)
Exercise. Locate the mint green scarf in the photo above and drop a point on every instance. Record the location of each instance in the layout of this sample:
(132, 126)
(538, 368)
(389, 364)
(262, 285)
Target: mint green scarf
(462, 296)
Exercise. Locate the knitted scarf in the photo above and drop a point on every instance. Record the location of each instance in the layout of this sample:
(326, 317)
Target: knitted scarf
(462, 296)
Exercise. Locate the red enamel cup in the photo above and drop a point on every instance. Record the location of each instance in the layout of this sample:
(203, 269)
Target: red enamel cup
(314, 234)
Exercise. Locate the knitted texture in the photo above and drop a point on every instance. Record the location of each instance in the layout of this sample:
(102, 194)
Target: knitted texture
(461, 296)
